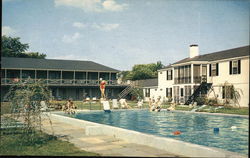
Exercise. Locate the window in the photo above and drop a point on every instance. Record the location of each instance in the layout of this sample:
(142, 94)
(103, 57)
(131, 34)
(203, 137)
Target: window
(147, 91)
(169, 74)
(168, 92)
(181, 92)
(214, 69)
(234, 67)
(227, 92)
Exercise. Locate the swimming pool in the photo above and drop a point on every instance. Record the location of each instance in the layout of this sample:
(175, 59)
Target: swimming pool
(195, 128)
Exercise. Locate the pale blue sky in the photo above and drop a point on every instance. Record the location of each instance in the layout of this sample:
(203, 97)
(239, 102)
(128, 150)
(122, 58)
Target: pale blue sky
(121, 33)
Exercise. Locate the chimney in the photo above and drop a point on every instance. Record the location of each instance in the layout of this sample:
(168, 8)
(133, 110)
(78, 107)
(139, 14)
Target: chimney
(193, 50)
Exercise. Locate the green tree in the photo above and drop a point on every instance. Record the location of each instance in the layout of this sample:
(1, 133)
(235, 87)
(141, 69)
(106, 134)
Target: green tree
(12, 47)
(25, 101)
(231, 94)
(144, 71)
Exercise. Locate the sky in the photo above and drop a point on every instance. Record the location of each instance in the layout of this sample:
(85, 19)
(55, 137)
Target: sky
(122, 33)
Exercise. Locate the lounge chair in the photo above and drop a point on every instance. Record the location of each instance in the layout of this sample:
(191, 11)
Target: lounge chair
(94, 100)
(87, 99)
(139, 104)
(115, 104)
(44, 107)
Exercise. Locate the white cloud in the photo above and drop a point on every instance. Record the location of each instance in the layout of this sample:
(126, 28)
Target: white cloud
(106, 27)
(71, 39)
(92, 5)
(79, 25)
(111, 5)
(6, 30)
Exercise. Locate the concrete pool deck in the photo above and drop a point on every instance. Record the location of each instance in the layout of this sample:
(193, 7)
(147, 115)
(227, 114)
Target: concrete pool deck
(171, 147)
(104, 145)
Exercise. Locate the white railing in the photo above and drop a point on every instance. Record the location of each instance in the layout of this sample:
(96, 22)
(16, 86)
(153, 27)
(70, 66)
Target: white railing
(9, 81)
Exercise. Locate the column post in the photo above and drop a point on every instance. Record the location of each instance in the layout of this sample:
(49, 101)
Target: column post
(35, 76)
(5, 71)
(61, 77)
(47, 76)
(192, 73)
(74, 77)
(21, 75)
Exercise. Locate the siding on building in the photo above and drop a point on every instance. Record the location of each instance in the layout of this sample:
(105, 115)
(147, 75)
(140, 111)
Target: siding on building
(222, 58)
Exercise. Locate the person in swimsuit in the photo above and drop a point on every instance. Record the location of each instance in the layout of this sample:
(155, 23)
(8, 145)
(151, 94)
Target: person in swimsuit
(102, 88)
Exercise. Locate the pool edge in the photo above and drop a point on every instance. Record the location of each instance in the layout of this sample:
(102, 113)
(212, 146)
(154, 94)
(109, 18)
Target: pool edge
(176, 147)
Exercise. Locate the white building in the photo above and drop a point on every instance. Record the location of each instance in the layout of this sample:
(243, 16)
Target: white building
(180, 80)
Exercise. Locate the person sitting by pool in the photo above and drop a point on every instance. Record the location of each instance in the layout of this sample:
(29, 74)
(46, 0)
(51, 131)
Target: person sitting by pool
(70, 106)
(158, 105)
(172, 107)
(149, 103)
(152, 108)
(64, 108)
(124, 104)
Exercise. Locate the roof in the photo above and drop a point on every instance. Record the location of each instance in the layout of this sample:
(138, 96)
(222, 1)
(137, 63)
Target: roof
(166, 67)
(148, 82)
(32, 63)
(225, 54)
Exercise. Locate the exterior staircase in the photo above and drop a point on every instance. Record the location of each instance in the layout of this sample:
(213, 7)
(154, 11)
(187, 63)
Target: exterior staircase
(201, 90)
(125, 92)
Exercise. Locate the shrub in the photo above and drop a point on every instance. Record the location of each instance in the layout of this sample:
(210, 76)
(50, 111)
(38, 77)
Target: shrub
(25, 100)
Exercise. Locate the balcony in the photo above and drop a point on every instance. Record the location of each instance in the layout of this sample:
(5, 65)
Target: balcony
(59, 82)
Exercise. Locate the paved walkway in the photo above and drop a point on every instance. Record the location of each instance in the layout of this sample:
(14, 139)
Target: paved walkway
(103, 145)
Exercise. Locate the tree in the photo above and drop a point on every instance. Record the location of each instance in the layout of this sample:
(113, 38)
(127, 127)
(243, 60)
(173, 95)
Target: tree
(12, 47)
(231, 94)
(25, 101)
(143, 71)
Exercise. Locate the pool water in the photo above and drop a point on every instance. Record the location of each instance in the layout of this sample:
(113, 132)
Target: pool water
(195, 128)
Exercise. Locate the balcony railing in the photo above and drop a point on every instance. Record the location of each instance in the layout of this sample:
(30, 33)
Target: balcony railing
(10, 81)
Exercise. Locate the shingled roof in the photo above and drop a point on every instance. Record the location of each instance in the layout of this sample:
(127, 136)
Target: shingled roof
(225, 54)
(32, 63)
(148, 82)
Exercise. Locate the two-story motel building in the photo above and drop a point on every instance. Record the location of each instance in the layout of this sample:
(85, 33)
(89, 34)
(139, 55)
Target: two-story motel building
(180, 79)
(66, 78)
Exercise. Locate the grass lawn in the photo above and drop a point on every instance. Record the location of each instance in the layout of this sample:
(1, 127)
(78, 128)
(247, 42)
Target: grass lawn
(5, 108)
(44, 145)
(230, 110)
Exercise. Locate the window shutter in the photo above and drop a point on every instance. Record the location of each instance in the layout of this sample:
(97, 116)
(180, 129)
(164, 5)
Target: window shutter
(171, 74)
(239, 67)
(166, 92)
(210, 69)
(223, 92)
(167, 74)
(170, 92)
(217, 69)
(230, 67)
